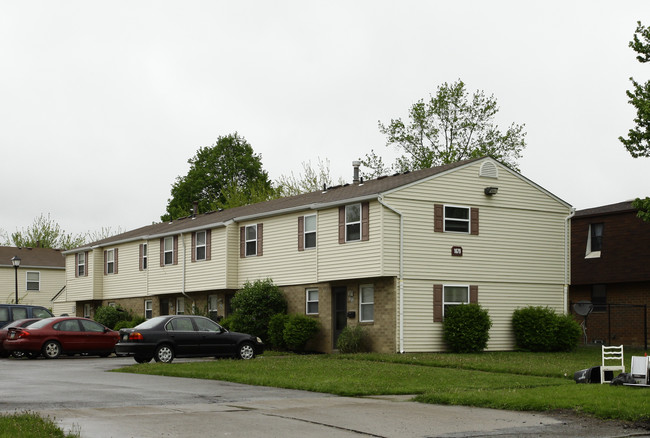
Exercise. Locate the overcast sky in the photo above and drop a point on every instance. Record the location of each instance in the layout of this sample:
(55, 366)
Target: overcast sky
(102, 103)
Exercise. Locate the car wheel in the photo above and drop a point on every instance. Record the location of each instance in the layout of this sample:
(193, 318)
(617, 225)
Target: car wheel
(51, 350)
(246, 351)
(164, 354)
(139, 359)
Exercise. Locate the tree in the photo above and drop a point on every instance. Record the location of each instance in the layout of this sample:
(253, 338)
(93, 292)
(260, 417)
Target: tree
(254, 305)
(638, 141)
(216, 173)
(450, 126)
(45, 233)
(309, 181)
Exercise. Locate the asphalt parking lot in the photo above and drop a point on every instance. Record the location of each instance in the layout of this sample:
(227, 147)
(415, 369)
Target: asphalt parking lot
(82, 396)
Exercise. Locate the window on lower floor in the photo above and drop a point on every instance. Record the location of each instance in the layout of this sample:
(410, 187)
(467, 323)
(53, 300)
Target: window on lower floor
(213, 305)
(87, 310)
(367, 303)
(33, 281)
(180, 306)
(599, 297)
(312, 302)
(148, 309)
(454, 296)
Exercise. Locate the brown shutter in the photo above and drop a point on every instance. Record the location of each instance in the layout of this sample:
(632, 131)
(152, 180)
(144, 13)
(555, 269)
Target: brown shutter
(437, 303)
(259, 239)
(140, 257)
(176, 250)
(242, 242)
(115, 261)
(208, 245)
(301, 233)
(473, 294)
(76, 265)
(86, 265)
(194, 246)
(474, 221)
(162, 251)
(342, 224)
(438, 218)
(105, 263)
(365, 221)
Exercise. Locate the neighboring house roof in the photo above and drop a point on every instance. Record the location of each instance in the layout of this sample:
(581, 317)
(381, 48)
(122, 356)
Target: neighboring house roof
(620, 207)
(32, 257)
(329, 197)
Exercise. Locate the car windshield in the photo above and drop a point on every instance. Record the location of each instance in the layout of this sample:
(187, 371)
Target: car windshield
(41, 323)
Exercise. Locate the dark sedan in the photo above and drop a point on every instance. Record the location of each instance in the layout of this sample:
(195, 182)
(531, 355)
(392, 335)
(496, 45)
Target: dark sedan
(4, 330)
(67, 334)
(165, 337)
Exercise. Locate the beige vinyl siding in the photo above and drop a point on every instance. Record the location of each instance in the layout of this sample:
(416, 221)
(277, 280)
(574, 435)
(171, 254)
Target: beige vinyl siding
(79, 288)
(206, 274)
(51, 281)
(96, 273)
(166, 279)
(499, 299)
(232, 255)
(129, 280)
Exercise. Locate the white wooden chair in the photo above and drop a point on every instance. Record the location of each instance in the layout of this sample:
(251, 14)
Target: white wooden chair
(612, 360)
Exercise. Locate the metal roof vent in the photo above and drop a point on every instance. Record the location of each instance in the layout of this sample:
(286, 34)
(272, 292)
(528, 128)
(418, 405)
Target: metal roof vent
(489, 170)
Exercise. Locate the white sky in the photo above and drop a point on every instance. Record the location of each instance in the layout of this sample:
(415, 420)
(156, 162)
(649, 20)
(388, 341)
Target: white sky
(102, 103)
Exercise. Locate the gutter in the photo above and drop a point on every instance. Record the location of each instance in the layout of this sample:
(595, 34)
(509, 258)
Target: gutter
(567, 258)
(380, 198)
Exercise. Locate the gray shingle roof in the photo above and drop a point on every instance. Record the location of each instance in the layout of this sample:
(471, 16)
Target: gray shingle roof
(32, 257)
(619, 207)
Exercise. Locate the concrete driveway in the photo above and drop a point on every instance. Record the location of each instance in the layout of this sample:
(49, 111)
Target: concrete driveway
(81, 396)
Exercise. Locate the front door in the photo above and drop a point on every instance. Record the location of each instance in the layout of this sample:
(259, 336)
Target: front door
(339, 312)
(164, 306)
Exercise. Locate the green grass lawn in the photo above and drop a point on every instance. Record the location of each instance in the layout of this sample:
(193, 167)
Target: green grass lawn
(502, 380)
(29, 425)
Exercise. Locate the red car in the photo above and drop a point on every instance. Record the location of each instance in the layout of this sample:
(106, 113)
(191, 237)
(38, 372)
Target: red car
(4, 330)
(52, 337)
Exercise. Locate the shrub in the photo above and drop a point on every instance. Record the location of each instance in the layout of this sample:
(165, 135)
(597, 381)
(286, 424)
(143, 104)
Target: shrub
(352, 340)
(276, 331)
(466, 328)
(254, 305)
(109, 315)
(129, 324)
(226, 323)
(541, 329)
(298, 330)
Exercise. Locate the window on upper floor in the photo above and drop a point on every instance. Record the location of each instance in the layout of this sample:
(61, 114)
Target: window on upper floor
(352, 222)
(594, 240)
(312, 301)
(599, 297)
(169, 250)
(456, 219)
(33, 280)
(251, 240)
(143, 256)
(310, 231)
(110, 261)
(201, 243)
(81, 264)
(366, 303)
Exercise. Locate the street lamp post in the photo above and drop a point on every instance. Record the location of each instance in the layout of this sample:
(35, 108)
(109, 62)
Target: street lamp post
(16, 262)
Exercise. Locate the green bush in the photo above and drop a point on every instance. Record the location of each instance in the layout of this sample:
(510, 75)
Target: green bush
(109, 315)
(254, 305)
(276, 331)
(129, 324)
(352, 340)
(466, 328)
(298, 330)
(541, 329)
(226, 323)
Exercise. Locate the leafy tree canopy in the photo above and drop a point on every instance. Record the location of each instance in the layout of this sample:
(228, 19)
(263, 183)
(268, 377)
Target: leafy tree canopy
(45, 233)
(638, 141)
(309, 181)
(227, 174)
(451, 126)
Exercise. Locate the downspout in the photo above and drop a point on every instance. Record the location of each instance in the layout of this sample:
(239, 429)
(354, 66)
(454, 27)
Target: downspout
(183, 285)
(567, 257)
(401, 271)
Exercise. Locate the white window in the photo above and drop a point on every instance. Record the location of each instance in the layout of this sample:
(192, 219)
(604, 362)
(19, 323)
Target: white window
(111, 305)
(352, 222)
(87, 310)
(454, 295)
(33, 281)
(144, 256)
(200, 245)
(310, 231)
(180, 306)
(81, 264)
(312, 302)
(594, 241)
(367, 303)
(148, 309)
(213, 305)
(110, 261)
(456, 219)
(251, 240)
(169, 250)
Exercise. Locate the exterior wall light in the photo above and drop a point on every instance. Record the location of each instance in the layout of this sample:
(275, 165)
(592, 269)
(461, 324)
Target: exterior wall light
(489, 191)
